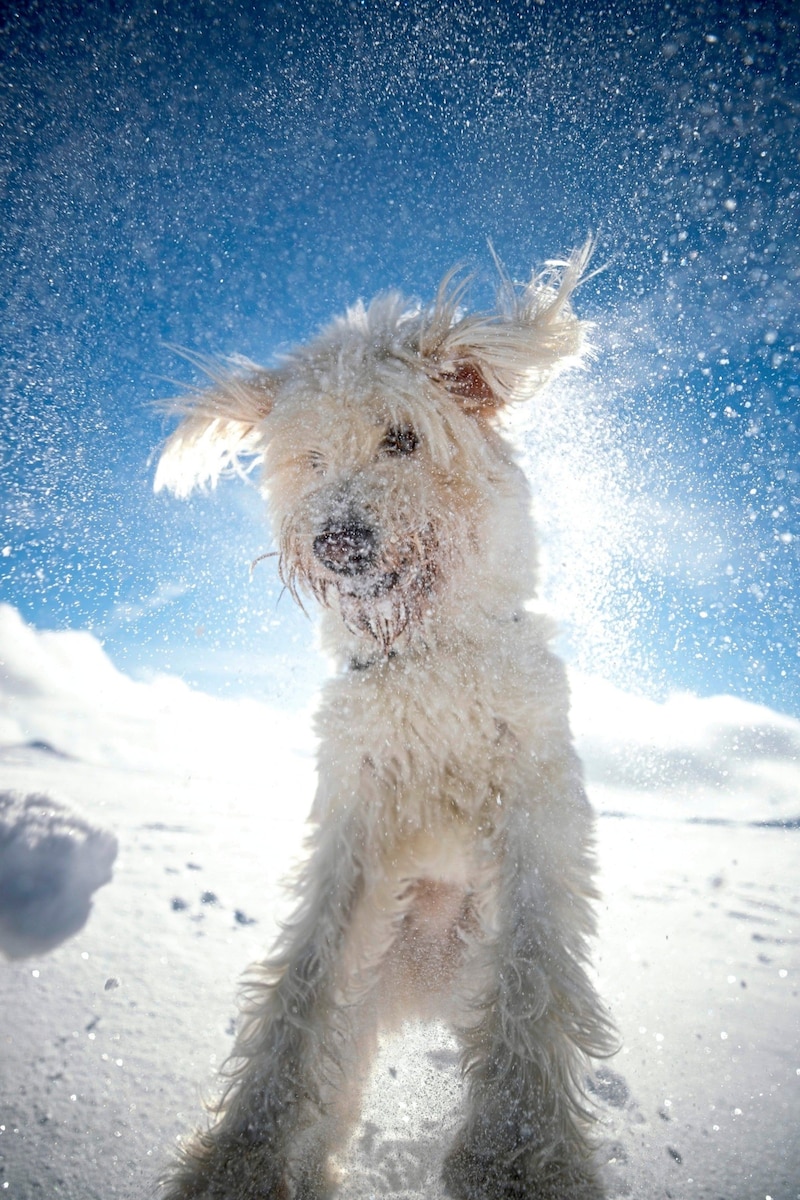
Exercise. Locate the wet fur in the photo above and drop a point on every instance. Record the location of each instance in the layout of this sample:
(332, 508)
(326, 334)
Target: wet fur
(449, 867)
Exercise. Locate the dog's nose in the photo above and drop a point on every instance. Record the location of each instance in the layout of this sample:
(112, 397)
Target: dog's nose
(346, 549)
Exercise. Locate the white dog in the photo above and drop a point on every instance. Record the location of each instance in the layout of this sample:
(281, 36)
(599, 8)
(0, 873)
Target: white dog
(450, 864)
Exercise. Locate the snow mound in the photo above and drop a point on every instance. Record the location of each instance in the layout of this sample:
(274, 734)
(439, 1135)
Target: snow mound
(51, 861)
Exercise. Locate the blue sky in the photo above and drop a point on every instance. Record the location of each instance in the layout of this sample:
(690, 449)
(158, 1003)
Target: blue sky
(226, 177)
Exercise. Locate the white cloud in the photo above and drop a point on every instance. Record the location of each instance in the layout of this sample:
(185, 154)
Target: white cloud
(167, 593)
(61, 688)
(714, 757)
(717, 758)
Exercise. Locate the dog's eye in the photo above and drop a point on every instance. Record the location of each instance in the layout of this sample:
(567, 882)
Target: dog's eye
(315, 460)
(400, 440)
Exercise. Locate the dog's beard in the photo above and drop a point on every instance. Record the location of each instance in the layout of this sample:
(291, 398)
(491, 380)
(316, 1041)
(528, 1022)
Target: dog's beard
(382, 603)
(385, 607)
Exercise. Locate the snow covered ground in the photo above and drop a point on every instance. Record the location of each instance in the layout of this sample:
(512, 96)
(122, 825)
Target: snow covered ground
(111, 1039)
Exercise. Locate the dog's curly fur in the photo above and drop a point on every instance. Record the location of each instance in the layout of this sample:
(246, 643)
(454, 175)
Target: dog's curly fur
(449, 871)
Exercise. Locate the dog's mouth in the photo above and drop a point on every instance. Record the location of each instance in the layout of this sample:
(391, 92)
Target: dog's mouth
(380, 587)
(369, 587)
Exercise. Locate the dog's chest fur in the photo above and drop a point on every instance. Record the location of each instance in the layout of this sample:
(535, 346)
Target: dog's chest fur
(431, 737)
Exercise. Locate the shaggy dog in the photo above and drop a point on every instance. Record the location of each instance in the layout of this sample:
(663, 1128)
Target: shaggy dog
(449, 872)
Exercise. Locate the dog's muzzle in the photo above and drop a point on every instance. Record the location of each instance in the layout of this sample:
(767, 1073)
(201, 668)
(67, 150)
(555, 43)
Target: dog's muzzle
(348, 549)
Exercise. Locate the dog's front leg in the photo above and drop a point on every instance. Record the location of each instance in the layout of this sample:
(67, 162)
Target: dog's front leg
(536, 1017)
(269, 1138)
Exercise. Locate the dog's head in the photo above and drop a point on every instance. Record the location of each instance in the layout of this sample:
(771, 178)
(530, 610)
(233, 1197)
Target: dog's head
(392, 494)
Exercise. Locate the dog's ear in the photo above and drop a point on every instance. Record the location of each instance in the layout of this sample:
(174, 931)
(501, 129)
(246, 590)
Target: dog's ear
(221, 426)
(489, 360)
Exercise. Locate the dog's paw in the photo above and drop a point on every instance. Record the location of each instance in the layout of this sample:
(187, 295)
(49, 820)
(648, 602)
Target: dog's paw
(471, 1174)
(227, 1169)
(242, 1176)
